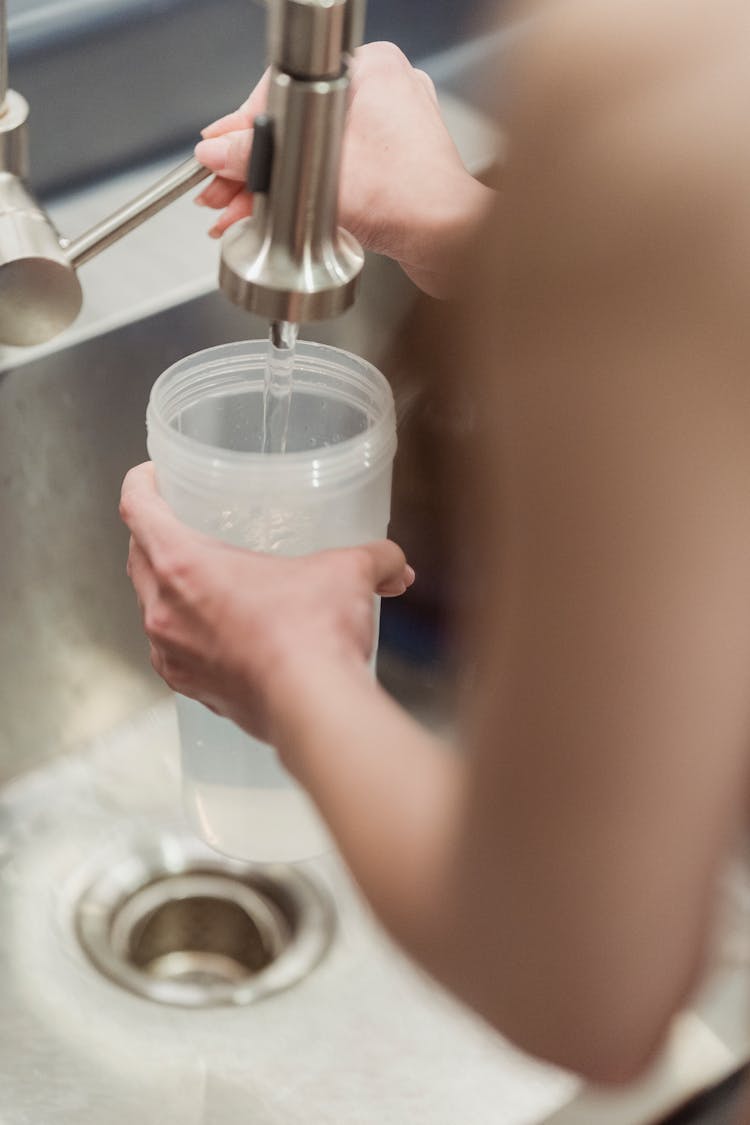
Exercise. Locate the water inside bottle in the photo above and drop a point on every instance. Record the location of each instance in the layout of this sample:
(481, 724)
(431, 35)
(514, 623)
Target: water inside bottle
(277, 389)
(238, 796)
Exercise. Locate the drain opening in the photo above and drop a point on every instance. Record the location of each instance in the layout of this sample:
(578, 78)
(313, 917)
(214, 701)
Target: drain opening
(202, 928)
(200, 931)
(200, 939)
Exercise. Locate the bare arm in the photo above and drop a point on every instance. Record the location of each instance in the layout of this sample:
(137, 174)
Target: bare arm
(611, 729)
(391, 792)
(574, 887)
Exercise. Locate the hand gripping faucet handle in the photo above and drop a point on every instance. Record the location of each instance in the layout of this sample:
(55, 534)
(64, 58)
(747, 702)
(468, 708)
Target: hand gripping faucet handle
(291, 261)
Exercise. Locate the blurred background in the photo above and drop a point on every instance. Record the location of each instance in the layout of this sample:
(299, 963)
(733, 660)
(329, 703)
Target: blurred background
(115, 82)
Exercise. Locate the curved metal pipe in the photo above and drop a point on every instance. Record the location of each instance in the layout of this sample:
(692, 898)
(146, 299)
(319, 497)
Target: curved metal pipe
(159, 195)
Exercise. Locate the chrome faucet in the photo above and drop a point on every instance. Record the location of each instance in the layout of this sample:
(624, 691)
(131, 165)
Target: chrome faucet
(289, 262)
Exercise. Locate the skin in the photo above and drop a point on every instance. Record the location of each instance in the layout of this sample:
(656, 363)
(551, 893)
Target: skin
(560, 876)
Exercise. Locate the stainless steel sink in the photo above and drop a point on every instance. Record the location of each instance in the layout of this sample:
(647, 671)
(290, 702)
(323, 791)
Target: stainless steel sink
(89, 767)
(363, 1038)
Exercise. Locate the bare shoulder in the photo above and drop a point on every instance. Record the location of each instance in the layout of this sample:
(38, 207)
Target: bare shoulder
(630, 155)
(642, 90)
(609, 45)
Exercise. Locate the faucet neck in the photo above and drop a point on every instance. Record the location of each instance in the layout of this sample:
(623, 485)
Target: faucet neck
(311, 39)
(291, 261)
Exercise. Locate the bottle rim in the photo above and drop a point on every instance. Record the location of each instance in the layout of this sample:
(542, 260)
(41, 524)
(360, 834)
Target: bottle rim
(205, 372)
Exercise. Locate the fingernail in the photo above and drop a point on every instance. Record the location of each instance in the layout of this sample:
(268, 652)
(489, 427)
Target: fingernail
(213, 153)
(199, 201)
(215, 232)
(207, 130)
(410, 573)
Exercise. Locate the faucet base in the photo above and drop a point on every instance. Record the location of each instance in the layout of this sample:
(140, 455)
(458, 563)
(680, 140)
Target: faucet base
(259, 276)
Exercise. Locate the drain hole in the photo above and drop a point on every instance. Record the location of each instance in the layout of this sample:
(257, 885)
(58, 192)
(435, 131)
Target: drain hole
(199, 939)
(196, 934)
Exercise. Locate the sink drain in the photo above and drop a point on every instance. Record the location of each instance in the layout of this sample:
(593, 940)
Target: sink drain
(180, 926)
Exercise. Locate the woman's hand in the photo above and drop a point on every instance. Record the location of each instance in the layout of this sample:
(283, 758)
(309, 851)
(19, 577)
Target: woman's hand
(404, 193)
(235, 629)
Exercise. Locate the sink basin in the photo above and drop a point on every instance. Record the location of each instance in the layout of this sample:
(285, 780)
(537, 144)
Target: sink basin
(88, 763)
(363, 1038)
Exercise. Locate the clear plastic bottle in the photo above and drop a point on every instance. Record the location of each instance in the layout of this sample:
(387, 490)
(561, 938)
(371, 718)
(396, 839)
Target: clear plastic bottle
(331, 488)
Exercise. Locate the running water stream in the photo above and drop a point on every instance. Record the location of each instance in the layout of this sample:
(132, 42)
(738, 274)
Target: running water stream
(277, 392)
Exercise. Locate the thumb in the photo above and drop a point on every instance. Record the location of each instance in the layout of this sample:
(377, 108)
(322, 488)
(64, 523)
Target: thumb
(153, 525)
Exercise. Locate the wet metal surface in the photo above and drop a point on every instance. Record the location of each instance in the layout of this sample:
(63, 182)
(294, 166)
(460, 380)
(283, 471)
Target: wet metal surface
(364, 1038)
(177, 926)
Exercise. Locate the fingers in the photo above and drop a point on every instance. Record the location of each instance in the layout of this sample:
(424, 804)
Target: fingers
(391, 574)
(240, 208)
(428, 84)
(219, 193)
(226, 193)
(142, 576)
(229, 123)
(227, 155)
(243, 117)
(152, 524)
(147, 592)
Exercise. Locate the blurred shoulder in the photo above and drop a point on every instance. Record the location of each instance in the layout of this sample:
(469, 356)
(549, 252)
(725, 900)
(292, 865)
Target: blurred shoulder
(612, 46)
(635, 111)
